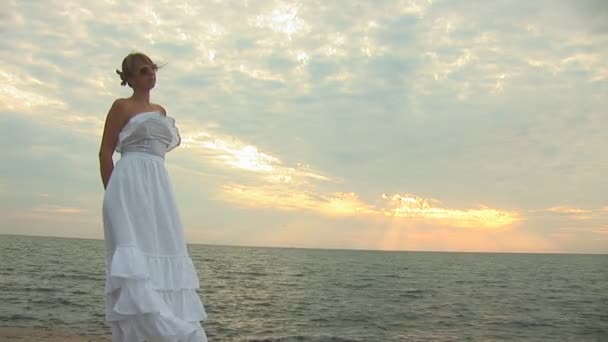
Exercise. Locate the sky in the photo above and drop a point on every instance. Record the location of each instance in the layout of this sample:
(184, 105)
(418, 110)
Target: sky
(411, 125)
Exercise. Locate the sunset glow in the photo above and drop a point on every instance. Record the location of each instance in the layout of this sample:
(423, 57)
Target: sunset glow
(392, 125)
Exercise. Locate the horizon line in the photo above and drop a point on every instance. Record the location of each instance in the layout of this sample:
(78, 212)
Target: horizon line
(337, 248)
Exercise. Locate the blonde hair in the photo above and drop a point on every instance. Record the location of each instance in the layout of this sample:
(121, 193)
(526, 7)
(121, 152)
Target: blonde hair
(128, 65)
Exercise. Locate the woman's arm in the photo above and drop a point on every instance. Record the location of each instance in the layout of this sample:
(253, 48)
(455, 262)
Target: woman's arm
(112, 127)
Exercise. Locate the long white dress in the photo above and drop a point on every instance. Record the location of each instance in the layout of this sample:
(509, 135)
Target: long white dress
(151, 282)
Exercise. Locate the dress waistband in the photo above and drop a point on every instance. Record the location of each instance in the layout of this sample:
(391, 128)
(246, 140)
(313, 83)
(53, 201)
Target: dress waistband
(141, 155)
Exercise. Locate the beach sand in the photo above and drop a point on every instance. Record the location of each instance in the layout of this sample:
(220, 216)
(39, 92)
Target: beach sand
(33, 335)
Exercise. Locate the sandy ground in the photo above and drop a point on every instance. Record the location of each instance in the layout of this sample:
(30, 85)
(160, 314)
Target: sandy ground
(33, 335)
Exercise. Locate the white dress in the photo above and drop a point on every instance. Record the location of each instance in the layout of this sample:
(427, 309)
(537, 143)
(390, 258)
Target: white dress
(151, 282)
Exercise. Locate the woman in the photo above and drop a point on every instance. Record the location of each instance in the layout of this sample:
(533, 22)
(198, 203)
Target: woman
(150, 279)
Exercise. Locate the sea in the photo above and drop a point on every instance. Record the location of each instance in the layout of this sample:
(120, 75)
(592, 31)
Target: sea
(297, 294)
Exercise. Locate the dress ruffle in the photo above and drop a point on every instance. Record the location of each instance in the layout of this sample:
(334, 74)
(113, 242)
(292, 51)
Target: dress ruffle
(176, 138)
(132, 124)
(150, 295)
(166, 272)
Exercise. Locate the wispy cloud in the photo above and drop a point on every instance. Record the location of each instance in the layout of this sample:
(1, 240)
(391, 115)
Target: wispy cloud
(336, 204)
(577, 214)
(230, 152)
(602, 230)
(48, 213)
(56, 209)
(568, 210)
(18, 93)
(408, 208)
(288, 188)
(413, 207)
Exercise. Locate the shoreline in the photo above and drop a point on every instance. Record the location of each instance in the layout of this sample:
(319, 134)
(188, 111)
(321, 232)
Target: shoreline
(38, 334)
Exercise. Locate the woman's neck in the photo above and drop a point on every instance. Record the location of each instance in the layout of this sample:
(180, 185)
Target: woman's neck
(141, 97)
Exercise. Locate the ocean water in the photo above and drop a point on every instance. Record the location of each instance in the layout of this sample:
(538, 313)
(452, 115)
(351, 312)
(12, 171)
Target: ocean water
(287, 294)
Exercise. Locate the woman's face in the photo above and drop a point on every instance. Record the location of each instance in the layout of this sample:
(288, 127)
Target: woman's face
(144, 75)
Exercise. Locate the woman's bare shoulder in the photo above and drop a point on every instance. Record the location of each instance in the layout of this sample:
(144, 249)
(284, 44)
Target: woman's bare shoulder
(161, 109)
(120, 105)
(119, 110)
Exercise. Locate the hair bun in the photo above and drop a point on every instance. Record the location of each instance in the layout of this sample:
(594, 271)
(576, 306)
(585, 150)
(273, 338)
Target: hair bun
(122, 78)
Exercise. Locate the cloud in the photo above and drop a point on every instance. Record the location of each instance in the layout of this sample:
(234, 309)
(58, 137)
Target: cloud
(568, 210)
(602, 230)
(577, 214)
(408, 208)
(319, 108)
(288, 188)
(230, 152)
(413, 207)
(15, 97)
(49, 212)
(55, 209)
(282, 19)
